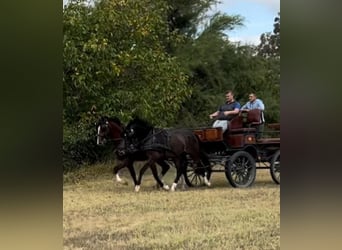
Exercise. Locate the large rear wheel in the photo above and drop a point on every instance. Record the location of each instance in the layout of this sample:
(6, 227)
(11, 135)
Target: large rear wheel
(275, 167)
(240, 169)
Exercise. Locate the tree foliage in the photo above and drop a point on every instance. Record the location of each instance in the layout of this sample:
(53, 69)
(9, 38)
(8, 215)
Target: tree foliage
(270, 42)
(165, 60)
(269, 50)
(114, 59)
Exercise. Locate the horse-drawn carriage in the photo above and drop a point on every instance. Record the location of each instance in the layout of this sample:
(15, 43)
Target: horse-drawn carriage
(240, 150)
(196, 153)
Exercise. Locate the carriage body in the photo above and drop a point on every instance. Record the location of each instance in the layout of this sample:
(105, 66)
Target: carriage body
(242, 149)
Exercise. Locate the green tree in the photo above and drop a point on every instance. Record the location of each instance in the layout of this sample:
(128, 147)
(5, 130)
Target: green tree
(114, 59)
(269, 49)
(270, 41)
(201, 58)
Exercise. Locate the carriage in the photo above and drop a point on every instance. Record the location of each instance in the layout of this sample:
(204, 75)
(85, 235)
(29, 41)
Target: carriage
(196, 153)
(240, 150)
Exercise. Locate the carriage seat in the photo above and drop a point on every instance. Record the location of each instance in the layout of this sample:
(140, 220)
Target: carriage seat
(245, 122)
(237, 125)
(254, 117)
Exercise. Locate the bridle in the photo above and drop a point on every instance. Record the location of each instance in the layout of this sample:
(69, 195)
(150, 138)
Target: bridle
(104, 136)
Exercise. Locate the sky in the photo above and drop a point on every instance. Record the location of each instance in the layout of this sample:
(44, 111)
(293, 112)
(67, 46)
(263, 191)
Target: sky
(258, 14)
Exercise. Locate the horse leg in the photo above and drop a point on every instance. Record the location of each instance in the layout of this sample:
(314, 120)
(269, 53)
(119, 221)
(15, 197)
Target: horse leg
(179, 163)
(165, 167)
(160, 183)
(141, 173)
(132, 171)
(202, 163)
(207, 168)
(206, 173)
(116, 170)
(182, 178)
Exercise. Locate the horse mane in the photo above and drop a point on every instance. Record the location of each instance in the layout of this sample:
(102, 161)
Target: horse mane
(115, 119)
(140, 122)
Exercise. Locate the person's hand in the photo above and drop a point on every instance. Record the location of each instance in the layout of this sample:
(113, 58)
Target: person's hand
(211, 116)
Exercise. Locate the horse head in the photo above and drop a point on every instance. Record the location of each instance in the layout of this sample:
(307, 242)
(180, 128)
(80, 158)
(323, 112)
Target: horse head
(109, 129)
(137, 129)
(135, 132)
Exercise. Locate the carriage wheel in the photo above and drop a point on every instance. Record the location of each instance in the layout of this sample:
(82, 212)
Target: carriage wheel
(240, 169)
(193, 175)
(275, 167)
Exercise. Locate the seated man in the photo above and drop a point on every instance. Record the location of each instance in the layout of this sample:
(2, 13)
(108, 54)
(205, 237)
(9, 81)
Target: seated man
(255, 103)
(226, 112)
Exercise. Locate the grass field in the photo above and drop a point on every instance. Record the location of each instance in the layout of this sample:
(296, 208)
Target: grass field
(99, 213)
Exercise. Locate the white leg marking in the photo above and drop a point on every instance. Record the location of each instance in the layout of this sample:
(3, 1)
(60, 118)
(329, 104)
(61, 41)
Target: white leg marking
(137, 188)
(173, 187)
(166, 187)
(98, 137)
(118, 179)
(206, 181)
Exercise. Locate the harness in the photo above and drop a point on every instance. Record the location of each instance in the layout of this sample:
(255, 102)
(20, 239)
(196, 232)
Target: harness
(157, 139)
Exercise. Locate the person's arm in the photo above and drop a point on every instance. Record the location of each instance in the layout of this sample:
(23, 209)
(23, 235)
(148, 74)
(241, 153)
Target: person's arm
(244, 107)
(232, 112)
(235, 111)
(213, 115)
(260, 105)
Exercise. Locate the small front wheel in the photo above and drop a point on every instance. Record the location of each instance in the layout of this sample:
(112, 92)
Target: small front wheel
(194, 176)
(240, 169)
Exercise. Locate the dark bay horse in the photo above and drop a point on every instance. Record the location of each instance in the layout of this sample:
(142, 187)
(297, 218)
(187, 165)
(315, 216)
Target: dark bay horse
(111, 130)
(158, 144)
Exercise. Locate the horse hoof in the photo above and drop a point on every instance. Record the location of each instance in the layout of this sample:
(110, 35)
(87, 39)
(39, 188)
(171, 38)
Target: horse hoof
(207, 182)
(137, 188)
(118, 179)
(173, 187)
(166, 187)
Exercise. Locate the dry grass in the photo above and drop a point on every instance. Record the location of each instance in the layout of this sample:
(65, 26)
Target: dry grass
(101, 214)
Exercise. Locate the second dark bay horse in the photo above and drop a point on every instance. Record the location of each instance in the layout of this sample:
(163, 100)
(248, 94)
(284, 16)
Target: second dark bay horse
(160, 144)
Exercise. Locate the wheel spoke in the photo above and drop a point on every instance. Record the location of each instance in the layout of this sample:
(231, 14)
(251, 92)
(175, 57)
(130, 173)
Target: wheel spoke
(193, 178)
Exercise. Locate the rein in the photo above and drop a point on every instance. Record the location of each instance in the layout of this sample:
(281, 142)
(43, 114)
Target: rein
(117, 139)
